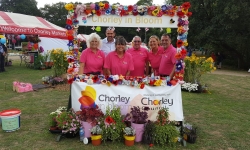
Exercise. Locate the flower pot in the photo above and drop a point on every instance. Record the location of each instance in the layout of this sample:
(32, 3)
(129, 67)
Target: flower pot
(70, 134)
(129, 140)
(96, 139)
(191, 138)
(139, 129)
(87, 127)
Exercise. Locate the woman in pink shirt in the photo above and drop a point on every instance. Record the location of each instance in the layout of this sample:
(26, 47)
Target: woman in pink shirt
(92, 58)
(119, 62)
(155, 54)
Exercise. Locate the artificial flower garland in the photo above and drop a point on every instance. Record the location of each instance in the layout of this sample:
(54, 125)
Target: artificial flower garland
(87, 10)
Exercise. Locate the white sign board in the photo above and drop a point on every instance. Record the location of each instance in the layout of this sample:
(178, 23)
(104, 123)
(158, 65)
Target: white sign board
(146, 21)
(125, 97)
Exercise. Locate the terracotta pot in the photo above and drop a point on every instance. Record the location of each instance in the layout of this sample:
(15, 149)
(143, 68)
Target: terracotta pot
(87, 127)
(139, 130)
(129, 140)
(96, 140)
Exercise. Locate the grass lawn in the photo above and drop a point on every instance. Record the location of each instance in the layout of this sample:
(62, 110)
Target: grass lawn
(222, 117)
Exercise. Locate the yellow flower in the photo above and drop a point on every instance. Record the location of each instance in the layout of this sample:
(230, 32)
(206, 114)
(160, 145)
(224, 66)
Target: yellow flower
(185, 43)
(69, 6)
(158, 82)
(155, 12)
(185, 11)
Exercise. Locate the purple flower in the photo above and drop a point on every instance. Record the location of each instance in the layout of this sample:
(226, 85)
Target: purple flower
(163, 7)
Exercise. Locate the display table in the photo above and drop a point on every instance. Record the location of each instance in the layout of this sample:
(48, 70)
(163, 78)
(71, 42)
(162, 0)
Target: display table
(124, 96)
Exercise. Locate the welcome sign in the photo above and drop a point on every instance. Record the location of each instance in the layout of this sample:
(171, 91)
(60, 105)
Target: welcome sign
(84, 95)
(129, 21)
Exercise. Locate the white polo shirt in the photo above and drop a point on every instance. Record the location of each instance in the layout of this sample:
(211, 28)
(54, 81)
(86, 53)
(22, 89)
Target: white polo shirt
(107, 47)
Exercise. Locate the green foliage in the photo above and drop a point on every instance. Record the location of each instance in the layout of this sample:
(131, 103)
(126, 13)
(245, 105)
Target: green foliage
(165, 135)
(112, 125)
(58, 56)
(27, 7)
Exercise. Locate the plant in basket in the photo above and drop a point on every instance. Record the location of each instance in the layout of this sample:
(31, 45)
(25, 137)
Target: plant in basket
(90, 117)
(139, 118)
(69, 122)
(189, 133)
(165, 130)
(52, 118)
(129, 135)
(112, 125)
(96, 135)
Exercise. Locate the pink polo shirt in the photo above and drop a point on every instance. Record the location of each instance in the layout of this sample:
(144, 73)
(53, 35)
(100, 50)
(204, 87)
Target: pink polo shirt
(140, 57)
(93, 62)
(168, 60)
(119, 66)
(155, 60)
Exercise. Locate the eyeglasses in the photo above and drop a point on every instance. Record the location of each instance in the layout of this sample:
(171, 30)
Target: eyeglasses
(136, 41)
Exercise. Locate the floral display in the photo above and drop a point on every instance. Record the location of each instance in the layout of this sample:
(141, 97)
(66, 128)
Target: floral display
(68, 121)
(54, 114)
(105, 8)
(195, 67)
(189, 86)
(91, 115)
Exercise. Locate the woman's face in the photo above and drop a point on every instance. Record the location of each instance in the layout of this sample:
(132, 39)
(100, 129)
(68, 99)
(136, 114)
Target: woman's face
(94, 44)
(120, 47)
(153, 43)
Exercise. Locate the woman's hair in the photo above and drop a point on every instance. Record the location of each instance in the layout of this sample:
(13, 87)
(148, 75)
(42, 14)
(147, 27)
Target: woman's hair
(155, 37)
(120, 40)
(93, 36)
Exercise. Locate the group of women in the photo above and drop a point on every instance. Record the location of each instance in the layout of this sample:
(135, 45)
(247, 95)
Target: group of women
(119, 61)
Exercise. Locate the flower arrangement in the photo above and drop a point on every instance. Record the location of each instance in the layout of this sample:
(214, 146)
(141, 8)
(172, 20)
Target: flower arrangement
(91, 115)
(189, 133)
(96, 130)
(139, 116)
(60, 64)
(195, 67)
(104, 8)
(129, 131)
(165, 131)
(190, 87)
(54, 114)
(112, 125)
(138, 82)
(68, 121)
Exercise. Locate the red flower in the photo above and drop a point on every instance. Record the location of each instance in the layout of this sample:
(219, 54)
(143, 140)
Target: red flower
(130, 8)
(180, 14)
(109, 120)
(70, 81)
(115, 82)
(152, 82)
(69, 22)
(189, 14)
(70, 60)
(95, 79)
(135, 13)
(183, 52)
(106, 5)
(179, 43)
(142, 86)
(151, 145)
(98, 12)
(178, 56)
(70, 37)
(186, 5)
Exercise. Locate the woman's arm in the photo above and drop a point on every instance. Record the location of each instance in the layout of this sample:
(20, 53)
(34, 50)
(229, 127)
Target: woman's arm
(81, 68)
(107, 72)
(128, 73)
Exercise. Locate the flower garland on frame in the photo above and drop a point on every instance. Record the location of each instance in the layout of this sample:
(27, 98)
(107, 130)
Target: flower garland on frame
(122, 10)
(181, 44)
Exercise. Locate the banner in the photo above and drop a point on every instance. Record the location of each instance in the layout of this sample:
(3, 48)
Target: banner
(84, 95)
(129, 21)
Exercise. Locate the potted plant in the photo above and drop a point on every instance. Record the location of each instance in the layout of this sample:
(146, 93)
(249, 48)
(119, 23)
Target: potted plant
(69, 122)
(52, 118)
(139, 118)
(96, 135)
(149, 131)
(127, 119)
(189, 133)
(112, 125)
(165, 130)
(129, 135)
(90, 117)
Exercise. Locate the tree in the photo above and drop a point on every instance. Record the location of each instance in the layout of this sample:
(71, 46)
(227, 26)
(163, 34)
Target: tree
(55, 13)
(28, 7)
(144, 2)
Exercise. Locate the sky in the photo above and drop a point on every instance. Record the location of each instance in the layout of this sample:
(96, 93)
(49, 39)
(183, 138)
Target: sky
(41, 3)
